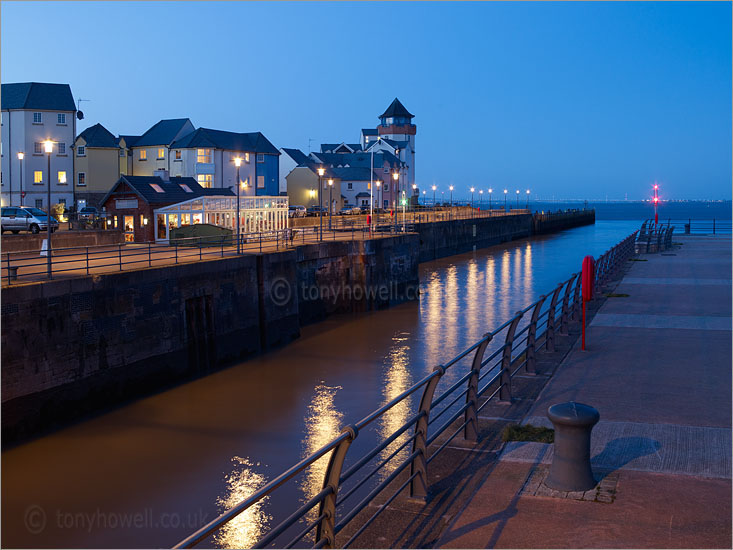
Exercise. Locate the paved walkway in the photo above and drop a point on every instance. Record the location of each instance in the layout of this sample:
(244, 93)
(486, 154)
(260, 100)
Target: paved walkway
(658, 369)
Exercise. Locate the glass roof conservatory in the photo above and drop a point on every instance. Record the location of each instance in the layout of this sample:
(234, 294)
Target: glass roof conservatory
(257, 214)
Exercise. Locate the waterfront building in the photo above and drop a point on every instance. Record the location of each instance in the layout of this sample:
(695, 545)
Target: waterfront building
(208, 156)
(289, 160)
(100, 160)
(151, 152)
(33, 112)
(302, 185)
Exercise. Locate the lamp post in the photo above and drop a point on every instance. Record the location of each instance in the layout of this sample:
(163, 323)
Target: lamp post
(414, 188)
(527, 199)
(480, 198)
(378, 183)
(238, 163)
(656, 202)
(330, 202)
(451, 201)
(404, 204)
(48, 147)
(505, 192)
(490, 191)
(21, 156)
(472, 190)
(517, 199)
(434, 188)
(321, 171)
(396, 193)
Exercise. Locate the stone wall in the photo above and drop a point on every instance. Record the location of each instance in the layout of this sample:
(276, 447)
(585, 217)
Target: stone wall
(79, 345)
(27, 242)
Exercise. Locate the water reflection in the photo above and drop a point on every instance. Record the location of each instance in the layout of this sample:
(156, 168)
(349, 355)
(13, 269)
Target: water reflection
(249, 526)
(323, 423)
(397, 379)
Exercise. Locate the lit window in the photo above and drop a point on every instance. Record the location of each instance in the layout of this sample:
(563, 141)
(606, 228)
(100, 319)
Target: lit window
(81, 179)
(37, 118)
(205, 180)
(260, 157)
(178, 155)
(185, 187)
(38, 176)
(246, 157)
(38, 148)
(157, 188)
(203, 156)
(161, 153)
(62, 148)
(62, 177)
(81, 151)
(143, 154)
(61, 118)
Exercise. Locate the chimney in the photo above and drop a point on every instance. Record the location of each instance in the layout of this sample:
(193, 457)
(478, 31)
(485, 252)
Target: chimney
(162, 174)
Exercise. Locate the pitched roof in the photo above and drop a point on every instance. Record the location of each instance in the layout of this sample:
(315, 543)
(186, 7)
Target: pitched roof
(172, 190)
(332, 147)
(230, 141)
(391, 142)
(129, 140)
(162, 132)
(396, 109)
(369, 131)
(354, 174)
(99, 136)
(296, 154)
(37, 95)
(360, 159)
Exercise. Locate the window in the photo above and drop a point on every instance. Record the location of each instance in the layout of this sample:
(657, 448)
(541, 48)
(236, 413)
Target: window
(260, 182)
(185, 187)
(386, 170)
(260, 157)
(350, 186)
(386, 186)
(37, 118)
(38, 176)
(62, 148)
(37, 148)
(203, 156)
(81, 151)
(122, 152)
(157, 188)
(61, 118)
(81, 179)
(246, 157)
(39, 203)
(205, 180)
(178, 155)
(62, 177)
(161, 153)
(143, 154)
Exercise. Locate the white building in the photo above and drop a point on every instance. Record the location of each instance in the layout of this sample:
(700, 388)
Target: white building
(33, 112)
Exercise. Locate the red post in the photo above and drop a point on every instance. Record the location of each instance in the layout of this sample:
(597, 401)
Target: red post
(587, 278)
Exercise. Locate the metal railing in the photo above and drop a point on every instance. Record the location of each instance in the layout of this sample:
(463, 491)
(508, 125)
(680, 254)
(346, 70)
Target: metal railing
(692, 226)
(85, 260)
(490, 365)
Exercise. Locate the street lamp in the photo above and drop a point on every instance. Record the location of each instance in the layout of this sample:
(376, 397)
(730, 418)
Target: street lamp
(490, 191)
(321, 171)
(330, 202)
(434, 188)
(238, 163)
(396, 193)
(414, 188)
(48, 147)
(378, 183)
(480, 198)
(505, 192)
(527, 199)
(517, 199)
(21, 156)
(404, 203)
(472, 190)
(451, 201)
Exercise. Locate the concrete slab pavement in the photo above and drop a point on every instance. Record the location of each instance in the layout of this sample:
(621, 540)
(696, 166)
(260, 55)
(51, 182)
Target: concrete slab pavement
(658, 369)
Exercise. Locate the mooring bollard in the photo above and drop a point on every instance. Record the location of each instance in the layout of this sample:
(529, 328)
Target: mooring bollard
(570, 469)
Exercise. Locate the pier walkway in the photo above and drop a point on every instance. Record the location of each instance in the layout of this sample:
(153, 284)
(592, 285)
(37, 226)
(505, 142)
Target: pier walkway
(658, 369)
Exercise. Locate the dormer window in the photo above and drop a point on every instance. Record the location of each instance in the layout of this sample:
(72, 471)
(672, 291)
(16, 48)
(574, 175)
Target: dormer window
(185, 187)
(157, 188)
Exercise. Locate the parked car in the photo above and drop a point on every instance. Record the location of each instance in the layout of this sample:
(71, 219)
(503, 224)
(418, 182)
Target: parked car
(296, 211)
(314, 210)
(88, 213)
(25, 218)
(349, 210)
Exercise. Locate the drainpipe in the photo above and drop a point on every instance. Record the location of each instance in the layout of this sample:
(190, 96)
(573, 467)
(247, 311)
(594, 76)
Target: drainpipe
(73, 166)
(10, 161)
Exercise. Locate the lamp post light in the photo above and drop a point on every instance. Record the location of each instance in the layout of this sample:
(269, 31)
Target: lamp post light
(527, 199)
(414, 189)
(451, 201)
(330, 202)
(238, 163)
(321, 171)
(472, 190)
(517, 199)
(396, 193)
(490, 191)
(480, 198)
(505, 192)
(21, 156)
(48, 147)
(378, 183)
(404, 204)
(434, 188)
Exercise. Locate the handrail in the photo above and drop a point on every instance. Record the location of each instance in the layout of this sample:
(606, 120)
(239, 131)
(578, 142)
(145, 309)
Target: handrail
(514, 355)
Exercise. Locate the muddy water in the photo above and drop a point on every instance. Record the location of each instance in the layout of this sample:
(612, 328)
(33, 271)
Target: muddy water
(149, 473)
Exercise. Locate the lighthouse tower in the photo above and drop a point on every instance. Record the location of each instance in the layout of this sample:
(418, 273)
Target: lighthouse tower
(397, 127)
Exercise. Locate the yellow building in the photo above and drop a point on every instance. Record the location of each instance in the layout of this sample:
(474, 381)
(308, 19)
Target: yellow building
(97, 165)
(302, 184)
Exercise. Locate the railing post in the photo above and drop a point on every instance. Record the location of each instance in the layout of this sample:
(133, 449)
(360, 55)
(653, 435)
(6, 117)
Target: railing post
(7, 256)
(87, 260)
(419, 466)
(119, 251)
(223, 238)
(327, 508)
(200, 248)
(505, 379)
(150, 255)
(713, 226)
(576, 300)
(530, 365)
(176, 249)
(260, 242)
(470, 431)
(565, 316)
(550, 338)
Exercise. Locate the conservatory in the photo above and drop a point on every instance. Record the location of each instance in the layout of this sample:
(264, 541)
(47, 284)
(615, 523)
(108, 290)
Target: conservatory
(257, 214)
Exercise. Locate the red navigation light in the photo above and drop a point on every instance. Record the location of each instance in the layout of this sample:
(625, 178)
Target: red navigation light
(656, 186)
(656, 200)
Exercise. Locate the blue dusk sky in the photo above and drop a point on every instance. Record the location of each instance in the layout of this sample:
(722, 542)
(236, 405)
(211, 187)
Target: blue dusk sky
(571, 100)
